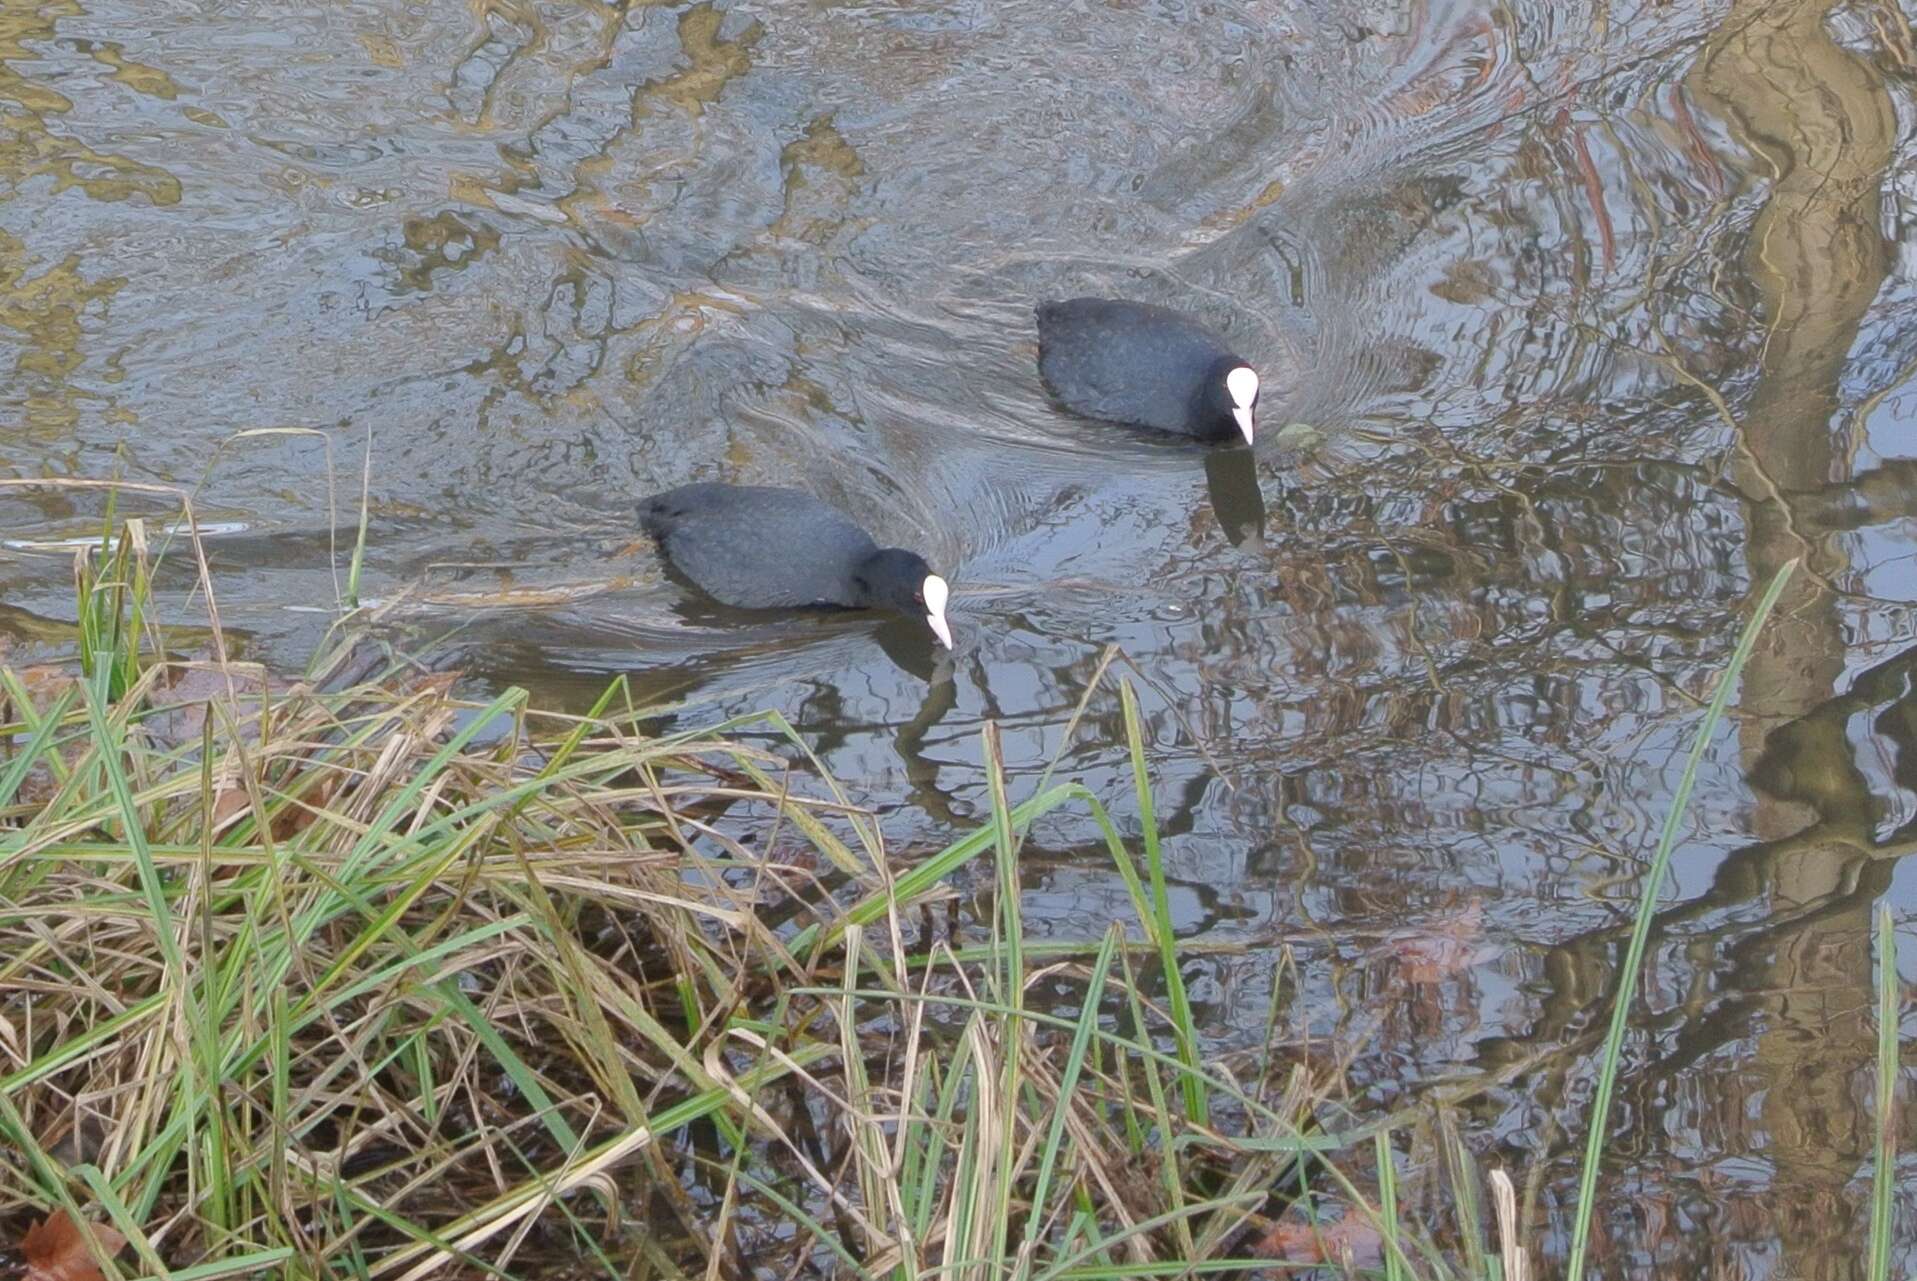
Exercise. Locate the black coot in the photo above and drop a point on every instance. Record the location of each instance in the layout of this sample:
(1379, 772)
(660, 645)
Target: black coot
(758, 547)
(1131, 362)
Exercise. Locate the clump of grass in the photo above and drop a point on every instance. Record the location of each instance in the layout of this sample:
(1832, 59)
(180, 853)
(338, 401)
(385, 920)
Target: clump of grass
(373, 981)
(356, 977)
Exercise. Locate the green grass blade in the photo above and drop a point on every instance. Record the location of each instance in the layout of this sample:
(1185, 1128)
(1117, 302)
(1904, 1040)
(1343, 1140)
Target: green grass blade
(1082, 1042)
(1010, 926)
(522, 1075)
(1464, 1194)
(1889, 1016)
(917, 880)
(1132, 1270)
(1196, 1110)
(697, 1107)
(124, 1220)
(820, 1233)
(110, 750)
(1641, 930)
(1238, 1201)
(35, 745)
(1319, 1140)
(1394, 1264)
(80, 1045)
(359, 539)
(937, 1143)
(259, 1264)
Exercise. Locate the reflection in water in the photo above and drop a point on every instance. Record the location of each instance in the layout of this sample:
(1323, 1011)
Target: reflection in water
(1232, 479)
(1599, 314)
(1819, 114)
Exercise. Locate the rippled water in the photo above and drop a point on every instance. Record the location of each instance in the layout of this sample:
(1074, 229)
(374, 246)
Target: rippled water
(1593, 316)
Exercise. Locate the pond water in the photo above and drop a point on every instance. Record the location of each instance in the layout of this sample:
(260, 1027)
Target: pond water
(1585, 318)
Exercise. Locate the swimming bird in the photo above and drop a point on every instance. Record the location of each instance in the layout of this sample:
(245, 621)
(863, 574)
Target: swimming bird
(763, 547)
(1132, 362)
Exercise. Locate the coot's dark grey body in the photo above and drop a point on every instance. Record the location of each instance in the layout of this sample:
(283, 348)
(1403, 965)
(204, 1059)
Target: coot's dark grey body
(1132, 362)
(759, 547)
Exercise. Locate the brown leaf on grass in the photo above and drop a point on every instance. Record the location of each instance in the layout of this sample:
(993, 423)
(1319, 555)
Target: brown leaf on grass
(231, 801)
(56, 1249)
(228, 804)
(298, 816)
(1350, 1238)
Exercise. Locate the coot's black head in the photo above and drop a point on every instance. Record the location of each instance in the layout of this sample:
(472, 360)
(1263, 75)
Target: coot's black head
(1231, 396)
(897, 579)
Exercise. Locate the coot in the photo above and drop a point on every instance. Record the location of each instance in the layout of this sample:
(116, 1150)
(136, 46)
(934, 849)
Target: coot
(1131, 362)
(760, 547)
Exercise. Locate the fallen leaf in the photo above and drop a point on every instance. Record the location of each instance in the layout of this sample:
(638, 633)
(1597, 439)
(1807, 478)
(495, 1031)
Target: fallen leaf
(1299, 437)
(187, 690)
(56, 1249)
(228, 804)
(46, 682)
(297, 817)
(1349, 1239)
(1441, 947)
(438, 684)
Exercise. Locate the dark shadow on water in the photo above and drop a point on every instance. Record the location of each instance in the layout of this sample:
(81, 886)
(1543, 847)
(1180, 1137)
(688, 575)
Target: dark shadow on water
(1231, 478)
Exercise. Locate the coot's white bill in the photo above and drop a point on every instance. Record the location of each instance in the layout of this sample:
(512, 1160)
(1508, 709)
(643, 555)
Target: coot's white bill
(1242, 383)
(936, 594)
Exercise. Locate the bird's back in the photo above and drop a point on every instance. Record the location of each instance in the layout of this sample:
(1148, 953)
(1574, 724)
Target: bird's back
(757, 547)
(1128, 362)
